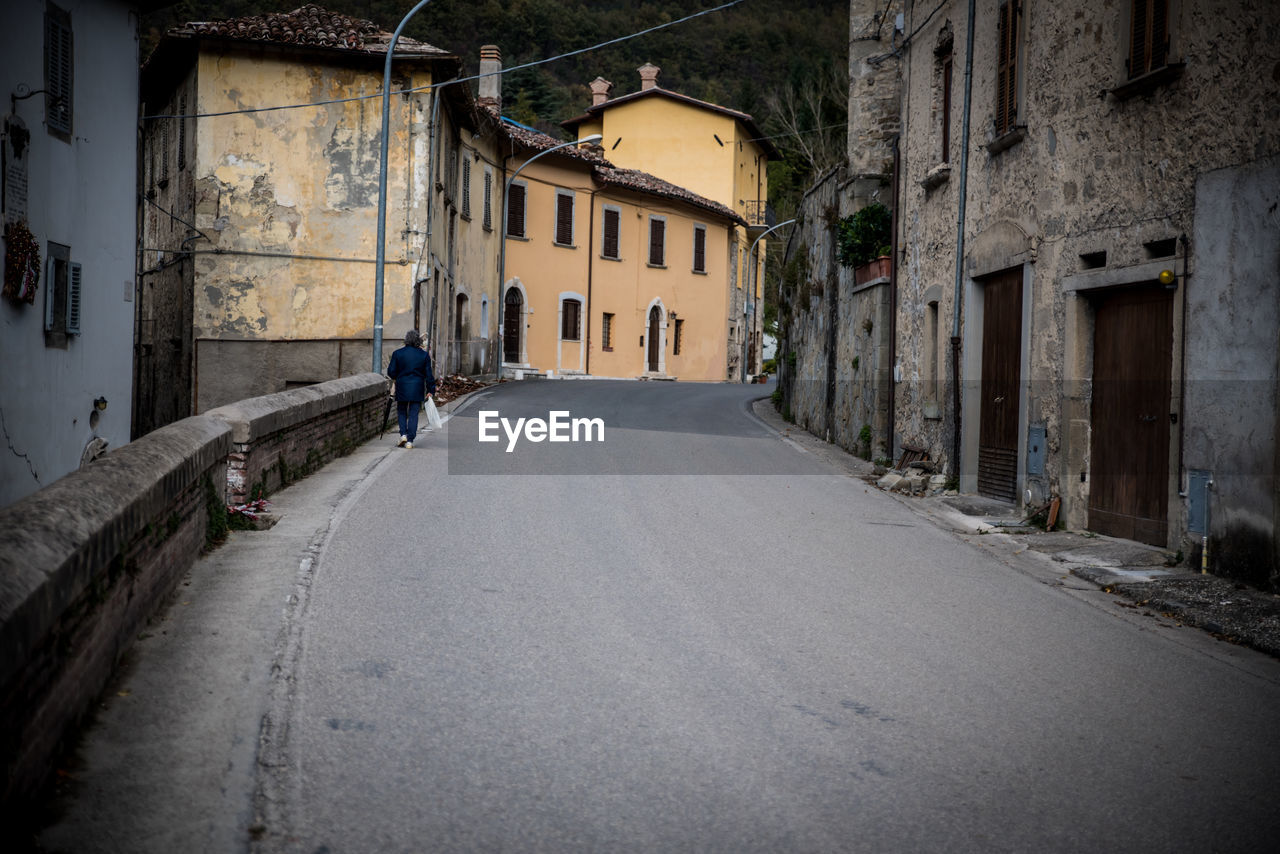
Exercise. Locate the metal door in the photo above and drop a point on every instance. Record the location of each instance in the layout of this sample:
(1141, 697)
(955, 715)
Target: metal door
(1129, 445)
(1001, 366)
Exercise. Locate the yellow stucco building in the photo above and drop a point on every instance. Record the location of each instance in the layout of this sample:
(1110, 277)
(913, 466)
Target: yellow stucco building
(612, 272)
(711, 150)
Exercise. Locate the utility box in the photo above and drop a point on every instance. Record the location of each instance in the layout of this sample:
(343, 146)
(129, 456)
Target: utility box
(1198, 501)
(1036, 450)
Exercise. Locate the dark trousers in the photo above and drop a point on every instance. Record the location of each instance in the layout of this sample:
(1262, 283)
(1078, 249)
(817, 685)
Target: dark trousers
(407, 417)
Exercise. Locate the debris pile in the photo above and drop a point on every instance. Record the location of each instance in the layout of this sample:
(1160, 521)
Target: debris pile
(453, 386)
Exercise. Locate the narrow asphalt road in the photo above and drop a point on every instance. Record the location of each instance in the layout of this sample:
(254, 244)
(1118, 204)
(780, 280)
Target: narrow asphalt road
(694, 636)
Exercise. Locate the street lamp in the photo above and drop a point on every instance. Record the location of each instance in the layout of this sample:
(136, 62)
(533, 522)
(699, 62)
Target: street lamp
(382, 190)
(751, 274)
(502, 252)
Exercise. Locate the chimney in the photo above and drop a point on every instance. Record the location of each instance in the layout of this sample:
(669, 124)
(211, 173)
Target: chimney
(649, 76)
(600, 89)
(490, 88)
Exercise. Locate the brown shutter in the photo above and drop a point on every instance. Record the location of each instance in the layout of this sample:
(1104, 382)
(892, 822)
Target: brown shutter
(657, 234)
(700, 250)
(1007, 68)
(1148, 36)
(564, 219)
(515, 210)
(611, 224)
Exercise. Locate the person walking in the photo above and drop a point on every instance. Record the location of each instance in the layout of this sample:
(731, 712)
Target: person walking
(410, 368)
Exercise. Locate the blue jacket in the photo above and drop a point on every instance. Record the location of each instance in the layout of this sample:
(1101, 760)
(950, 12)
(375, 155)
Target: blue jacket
(410, 367)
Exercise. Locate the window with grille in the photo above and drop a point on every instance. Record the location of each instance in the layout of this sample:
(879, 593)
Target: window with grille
(515, 210)
(182, 133)
(570, 320)
(946, 106)
(488, 199)
(58, 70)
(657, 241)
(564, 218)
(610, 233)
(679, 338)
(699, 249)
(1007, 66)
(1148, 36)
(606, 332)
(466, 186)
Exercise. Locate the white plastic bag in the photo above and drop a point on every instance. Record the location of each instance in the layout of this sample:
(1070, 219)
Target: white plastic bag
(433, 415)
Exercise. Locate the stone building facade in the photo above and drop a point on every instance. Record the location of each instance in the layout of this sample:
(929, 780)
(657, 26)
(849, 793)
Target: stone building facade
(1113, 321)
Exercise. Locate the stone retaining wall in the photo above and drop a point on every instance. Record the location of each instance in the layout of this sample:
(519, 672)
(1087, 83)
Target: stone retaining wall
(86, 561)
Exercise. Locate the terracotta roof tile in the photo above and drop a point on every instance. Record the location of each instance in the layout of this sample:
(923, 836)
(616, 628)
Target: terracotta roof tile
(313, 26)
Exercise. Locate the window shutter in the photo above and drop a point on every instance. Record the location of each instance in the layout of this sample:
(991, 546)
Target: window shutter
(466, 187)
(1007, 68)
(515, 210)
(657, 233)
(73, 299)
(1148, 36)
(699, 249)
(58, 68)
(50, 290)
(182, 133)
(570, 309)
(611, 226)
(564, 219)
(488, 199)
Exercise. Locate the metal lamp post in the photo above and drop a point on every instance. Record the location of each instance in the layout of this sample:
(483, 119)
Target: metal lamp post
(502, 252)
(746, 303)
(382, 190)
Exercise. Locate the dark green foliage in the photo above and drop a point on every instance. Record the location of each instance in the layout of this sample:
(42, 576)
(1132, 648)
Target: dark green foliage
(864, 236)
(216, 530)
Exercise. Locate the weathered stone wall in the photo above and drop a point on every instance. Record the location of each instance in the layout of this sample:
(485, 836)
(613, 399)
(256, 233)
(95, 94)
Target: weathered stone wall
(837, 330)
(87, 560)
(1087, 195)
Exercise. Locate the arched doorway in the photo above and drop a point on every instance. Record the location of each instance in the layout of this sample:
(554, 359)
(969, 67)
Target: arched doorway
(655, 340)
(512, 320)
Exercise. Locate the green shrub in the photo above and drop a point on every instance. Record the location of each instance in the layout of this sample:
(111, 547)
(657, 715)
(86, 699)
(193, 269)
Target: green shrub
(864, 236)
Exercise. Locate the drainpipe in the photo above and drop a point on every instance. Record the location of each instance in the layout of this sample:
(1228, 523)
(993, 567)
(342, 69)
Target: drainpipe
(964, 182)
(893, 297)
(591, 238)
(432, 130)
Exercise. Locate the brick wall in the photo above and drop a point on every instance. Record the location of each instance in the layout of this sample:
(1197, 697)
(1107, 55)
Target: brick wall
(87, 560)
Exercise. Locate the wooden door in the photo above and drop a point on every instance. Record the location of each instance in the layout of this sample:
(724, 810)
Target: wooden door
(1129, 446)
(1001, 368)
(512, 320)
(655, 319)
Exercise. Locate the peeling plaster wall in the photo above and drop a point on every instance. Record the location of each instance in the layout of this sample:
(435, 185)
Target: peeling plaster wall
(1094, 173)
(288, 200)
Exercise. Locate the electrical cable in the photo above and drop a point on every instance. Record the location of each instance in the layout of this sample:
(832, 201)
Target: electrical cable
(456, 80)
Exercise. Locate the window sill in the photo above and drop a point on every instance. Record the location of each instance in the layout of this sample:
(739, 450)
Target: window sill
(519, 237)
(606, 349)
(610, 258)
(1006, 140)
(465, 217)
(658, 266)
(1148, 82)
(936, 177)
(564, 245)
(699, 272)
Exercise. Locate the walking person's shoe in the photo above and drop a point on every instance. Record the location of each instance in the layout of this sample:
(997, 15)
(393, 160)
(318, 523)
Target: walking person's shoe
(404, 440)
(408, 446)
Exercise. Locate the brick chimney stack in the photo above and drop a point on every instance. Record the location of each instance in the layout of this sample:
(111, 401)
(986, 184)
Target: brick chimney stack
(490, 88)
(600, 89)
(649, 76)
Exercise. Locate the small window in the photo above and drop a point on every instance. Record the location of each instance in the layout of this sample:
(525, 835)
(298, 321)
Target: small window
(657, 241)
(62, 294)
(1166, 248)
(1093, 260)
(679, 338)
(610, 233)
(1007, 66)
(564, 218)
(488, 200)
(466, 186)
(1148, 36)
(606, 333)
(931, 354)
(699, 249)
(182, 133)
(570, 320)
(946, 107)
(58, 70)
(515, 210)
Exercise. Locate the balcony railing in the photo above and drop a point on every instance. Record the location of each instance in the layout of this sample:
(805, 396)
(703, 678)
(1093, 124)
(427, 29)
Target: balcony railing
(760, 214)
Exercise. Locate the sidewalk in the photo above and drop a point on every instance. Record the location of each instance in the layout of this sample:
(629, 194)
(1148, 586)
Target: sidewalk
(1144, 575)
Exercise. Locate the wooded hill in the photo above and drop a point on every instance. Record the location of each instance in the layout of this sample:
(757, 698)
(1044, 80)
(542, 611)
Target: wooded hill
(785, 63)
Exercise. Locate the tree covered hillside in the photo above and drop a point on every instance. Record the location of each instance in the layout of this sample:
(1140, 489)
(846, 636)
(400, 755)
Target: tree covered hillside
(784, 63)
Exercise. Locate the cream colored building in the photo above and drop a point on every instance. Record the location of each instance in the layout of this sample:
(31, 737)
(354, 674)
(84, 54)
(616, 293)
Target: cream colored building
(711, 150)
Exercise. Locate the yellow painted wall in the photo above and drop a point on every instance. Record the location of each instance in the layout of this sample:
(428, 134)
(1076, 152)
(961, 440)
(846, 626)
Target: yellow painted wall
(298, 188)
(626, 288)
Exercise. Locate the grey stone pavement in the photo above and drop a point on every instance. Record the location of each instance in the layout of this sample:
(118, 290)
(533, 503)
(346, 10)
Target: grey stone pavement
(1143, 578)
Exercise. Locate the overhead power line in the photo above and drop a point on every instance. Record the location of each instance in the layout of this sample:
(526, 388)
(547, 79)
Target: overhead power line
(618, 40)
